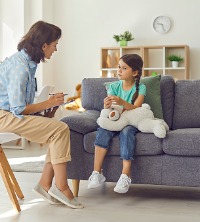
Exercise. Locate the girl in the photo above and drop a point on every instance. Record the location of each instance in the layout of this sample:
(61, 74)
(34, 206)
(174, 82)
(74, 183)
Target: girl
(17, 93)
(129, 93)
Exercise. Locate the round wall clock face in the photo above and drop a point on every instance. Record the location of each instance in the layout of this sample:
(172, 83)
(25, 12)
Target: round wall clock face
(162, 24)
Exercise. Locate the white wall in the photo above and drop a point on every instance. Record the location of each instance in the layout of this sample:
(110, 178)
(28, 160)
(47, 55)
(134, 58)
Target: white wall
(88, 25)
(16, 17)
(36, 10)
(11, 29)
(1, 32)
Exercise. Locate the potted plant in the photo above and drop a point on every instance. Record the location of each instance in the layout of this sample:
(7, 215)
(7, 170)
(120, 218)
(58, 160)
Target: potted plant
(175, 59)
(123, 38)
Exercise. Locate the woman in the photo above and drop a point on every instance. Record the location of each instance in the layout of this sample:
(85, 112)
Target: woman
(17, 110)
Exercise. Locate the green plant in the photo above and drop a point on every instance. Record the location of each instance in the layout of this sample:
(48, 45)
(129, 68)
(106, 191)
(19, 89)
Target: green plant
(125, 36)
(175, 58)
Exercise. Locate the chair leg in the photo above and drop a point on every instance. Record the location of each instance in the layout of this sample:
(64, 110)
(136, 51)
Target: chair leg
(75, 184)
(18, 142)
(10, 181)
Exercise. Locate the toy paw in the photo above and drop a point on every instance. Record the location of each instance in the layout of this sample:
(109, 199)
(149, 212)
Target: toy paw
(159, 131)
(71, 106)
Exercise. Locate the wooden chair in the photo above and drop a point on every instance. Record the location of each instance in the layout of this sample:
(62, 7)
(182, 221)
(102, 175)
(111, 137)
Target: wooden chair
(7, 174)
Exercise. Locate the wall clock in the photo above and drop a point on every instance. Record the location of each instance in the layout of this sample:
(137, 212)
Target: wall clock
(162, 24)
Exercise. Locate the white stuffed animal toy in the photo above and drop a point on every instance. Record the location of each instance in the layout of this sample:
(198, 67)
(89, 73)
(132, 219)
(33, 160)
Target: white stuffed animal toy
(113, 113)
(141, 118)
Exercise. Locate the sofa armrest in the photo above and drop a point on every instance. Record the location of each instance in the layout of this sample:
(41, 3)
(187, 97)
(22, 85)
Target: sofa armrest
(83, 122)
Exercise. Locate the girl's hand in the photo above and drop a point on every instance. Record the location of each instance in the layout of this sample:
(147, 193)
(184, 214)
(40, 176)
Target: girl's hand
(107, 102)
(56, 100)
(117, 100)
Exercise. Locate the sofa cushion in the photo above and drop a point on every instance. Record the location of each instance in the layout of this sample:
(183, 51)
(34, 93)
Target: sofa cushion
(182, 142)
(187, 104)
(147, 144)
(84, 122)
(180, 171)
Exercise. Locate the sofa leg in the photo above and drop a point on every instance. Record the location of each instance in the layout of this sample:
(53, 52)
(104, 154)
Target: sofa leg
(75, 184)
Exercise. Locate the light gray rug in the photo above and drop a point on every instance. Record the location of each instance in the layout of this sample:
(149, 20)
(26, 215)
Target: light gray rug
(33, 167)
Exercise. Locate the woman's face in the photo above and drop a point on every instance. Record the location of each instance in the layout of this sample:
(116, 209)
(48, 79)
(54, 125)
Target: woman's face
(49, 49)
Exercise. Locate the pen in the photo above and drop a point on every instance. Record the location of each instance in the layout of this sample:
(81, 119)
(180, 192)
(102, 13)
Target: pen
(65, 103)
(52, 94)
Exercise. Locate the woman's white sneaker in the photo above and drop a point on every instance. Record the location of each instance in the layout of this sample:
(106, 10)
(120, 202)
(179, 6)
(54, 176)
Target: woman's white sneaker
(123, 184)
(95, 180)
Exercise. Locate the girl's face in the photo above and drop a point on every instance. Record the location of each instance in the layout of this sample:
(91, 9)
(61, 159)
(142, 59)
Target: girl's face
(49, 49)
(125, 72)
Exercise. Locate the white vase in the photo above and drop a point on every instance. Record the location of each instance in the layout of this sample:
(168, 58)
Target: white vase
(174, 64)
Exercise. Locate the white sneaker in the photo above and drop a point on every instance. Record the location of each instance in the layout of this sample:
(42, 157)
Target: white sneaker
(95, 180)
(123, 184)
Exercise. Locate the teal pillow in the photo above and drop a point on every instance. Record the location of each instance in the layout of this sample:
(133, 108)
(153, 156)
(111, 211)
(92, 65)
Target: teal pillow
(152, 97)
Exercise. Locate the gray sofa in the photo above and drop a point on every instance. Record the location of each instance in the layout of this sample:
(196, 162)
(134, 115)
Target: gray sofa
(172, 161)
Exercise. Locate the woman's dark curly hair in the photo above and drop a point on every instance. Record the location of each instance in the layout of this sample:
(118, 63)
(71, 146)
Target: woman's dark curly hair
(136, 63)
(40, 33)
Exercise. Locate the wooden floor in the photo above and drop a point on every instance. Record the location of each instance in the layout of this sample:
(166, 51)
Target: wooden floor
(142, 202)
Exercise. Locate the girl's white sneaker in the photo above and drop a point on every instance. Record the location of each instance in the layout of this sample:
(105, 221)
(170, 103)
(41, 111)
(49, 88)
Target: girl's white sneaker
(123, 184)
(95, 180)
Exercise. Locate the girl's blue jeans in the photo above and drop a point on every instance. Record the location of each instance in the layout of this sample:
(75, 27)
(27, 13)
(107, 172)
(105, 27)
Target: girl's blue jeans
(126, 137)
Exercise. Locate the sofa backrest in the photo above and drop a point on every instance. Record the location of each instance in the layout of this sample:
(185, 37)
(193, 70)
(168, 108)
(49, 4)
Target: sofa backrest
(167, 85)
(94, 91)
(187, 104)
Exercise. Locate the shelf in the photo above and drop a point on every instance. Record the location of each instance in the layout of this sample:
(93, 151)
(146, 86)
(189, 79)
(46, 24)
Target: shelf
(153, 68)
(164, 68)
(174, 68)
(154, 58)
(109, 69)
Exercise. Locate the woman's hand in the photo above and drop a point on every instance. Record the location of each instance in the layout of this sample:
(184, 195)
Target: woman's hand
(50, 105)
(56, 100)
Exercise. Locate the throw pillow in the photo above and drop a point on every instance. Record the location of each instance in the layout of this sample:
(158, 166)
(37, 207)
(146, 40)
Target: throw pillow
(152, 97)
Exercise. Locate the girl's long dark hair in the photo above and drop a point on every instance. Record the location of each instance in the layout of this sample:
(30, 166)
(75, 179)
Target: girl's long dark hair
(40, 33)
(136, 63)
